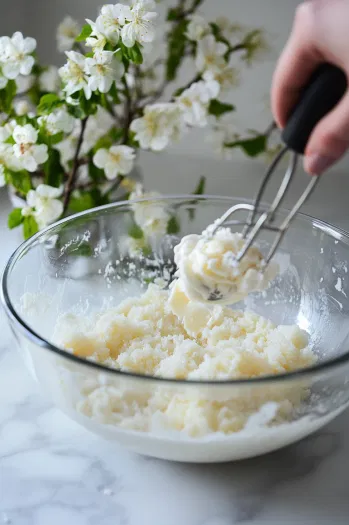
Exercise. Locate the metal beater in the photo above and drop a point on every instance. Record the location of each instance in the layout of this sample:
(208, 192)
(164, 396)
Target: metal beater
(325, 89)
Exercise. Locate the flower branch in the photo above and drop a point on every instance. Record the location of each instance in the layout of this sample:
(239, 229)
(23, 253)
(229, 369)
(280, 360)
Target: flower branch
(76, 163)
(69, 138)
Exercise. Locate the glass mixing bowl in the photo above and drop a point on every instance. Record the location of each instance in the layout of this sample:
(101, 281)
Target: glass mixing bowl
(84, 264)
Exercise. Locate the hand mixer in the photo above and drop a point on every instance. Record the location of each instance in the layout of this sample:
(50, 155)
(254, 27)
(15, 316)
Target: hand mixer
(325, 89)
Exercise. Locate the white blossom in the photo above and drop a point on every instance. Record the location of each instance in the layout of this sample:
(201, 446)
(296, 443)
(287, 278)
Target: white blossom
(111, 20)
(140, 27)
(209, 53)
(43, 205)
(24, 83)
(25, 148)
(151, 216)
(118, 160)
(97, 39)
(67, 32)
(22, 107)
(226, 76)
(7, 159)
(16, 55)
(49, 80)
(74, 75)
(194, 102)
(104, 69)
(57, 121)
(197, 28)
(7, 130)
(161, 124)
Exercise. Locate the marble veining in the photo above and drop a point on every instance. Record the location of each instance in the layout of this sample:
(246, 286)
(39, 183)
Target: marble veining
(53, 472)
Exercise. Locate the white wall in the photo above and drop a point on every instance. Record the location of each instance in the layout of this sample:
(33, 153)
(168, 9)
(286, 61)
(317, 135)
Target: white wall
(39, 18)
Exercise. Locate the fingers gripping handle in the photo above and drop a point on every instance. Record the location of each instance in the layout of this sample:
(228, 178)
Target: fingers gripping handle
(325, 89)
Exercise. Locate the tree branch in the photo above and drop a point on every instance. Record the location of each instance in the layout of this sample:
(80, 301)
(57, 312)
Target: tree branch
(71, 179)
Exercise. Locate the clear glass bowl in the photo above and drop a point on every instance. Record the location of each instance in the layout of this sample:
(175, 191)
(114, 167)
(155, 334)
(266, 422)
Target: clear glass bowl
(80, 265)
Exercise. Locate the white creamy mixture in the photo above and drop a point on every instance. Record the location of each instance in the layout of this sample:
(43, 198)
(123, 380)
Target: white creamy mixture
(165, 334)
(208, 268)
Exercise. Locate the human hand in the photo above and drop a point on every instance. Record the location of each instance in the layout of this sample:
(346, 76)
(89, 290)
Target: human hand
(320, 34)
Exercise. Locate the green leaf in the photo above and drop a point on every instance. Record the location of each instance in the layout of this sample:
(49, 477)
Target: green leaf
(252, 146)
(104, 142)
(135, 54)
(79, 248)
(116, 134)
(98, 198)
(35, 93)
(85, 33)
(89, 107)
(7, 95)
(96, 174)
(218, 108)
(135, 232)
(82, 202)
(53, 170)
(217, 33)
(50, 140)
(200, 188)
(173, 226)
(48, 103)
(172, 14)
(15, 218)
(30, 226)
(20, 180)
(113, 93)
(176, 49)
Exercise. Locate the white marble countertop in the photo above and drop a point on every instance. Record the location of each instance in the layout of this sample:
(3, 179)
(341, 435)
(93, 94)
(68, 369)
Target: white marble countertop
(53, 472)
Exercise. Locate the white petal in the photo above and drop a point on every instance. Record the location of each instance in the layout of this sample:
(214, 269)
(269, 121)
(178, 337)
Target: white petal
(146, 34)
(93, 83)
(128, 35)
(101, 158)
(18, 40)
(87, 91)
(111, 170)
(40, 153)
(29, 163)
(27, 65)
(31, 198)
(44, 190)
(29, 45)
(11, 70)
(159, 143)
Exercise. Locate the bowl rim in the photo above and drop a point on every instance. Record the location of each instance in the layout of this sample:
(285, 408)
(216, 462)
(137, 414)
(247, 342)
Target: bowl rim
(311, 371)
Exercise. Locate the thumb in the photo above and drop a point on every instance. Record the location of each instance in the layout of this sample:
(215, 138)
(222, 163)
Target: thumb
(329, 140)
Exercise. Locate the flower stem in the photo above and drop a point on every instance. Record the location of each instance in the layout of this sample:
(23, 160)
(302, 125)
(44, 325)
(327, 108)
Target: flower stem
(76, 163)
